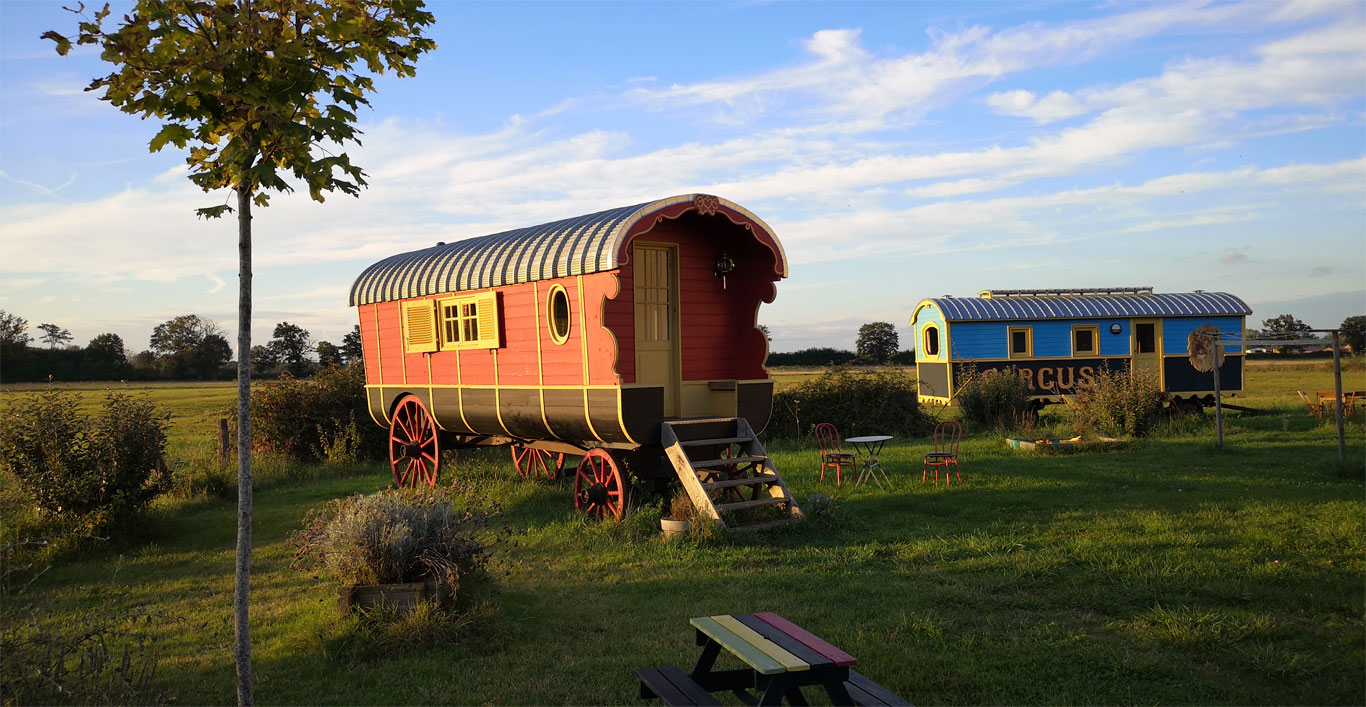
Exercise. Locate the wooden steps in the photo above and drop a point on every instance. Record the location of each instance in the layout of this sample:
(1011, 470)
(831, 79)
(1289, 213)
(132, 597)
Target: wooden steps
(726, 472)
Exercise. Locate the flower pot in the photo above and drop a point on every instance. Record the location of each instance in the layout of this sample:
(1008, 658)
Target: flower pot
(404, 597)
(673, 528)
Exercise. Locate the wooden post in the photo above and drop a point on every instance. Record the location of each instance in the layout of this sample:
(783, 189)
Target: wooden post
(1218, 398)
(1337, 390)
(223, 438)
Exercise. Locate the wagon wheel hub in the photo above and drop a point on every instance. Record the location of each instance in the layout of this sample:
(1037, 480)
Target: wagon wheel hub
(595, 494)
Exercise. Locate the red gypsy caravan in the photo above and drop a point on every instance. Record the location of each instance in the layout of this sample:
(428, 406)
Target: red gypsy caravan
(627, 336)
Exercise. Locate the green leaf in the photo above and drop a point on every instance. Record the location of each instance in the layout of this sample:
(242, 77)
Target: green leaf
(213, 211)
(171, 132)
(63, 44)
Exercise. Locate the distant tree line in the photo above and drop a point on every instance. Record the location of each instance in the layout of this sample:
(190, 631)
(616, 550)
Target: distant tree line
(877, 344)
(188, 347)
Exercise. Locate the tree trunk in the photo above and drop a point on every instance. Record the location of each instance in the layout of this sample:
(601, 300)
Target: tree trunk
(241, 592)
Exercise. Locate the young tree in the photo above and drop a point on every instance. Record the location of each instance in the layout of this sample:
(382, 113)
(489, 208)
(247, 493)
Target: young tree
(877, 341)
(256, 90)
(1354, 333)
(764, 329)
(54, 335)
(14, 329)
(351, 348)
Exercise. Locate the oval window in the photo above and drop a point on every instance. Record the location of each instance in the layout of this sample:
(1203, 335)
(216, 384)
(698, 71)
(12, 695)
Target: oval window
(931, 341)
(557, 314)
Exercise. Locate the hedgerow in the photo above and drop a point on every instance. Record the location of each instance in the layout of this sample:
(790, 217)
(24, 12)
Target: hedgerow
(856, 402)
(324, 417)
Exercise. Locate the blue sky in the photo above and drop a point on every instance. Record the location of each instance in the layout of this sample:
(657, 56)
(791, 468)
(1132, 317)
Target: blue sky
(900, 150)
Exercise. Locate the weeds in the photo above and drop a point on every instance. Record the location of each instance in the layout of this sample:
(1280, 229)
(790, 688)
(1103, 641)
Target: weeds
(997, 398)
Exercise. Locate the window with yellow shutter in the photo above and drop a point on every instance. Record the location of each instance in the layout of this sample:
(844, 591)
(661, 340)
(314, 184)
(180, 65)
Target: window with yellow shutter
(419, 326)
(470, 322)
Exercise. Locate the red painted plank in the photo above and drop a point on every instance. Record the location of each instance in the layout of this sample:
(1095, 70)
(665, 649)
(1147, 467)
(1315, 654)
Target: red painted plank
(841, 658)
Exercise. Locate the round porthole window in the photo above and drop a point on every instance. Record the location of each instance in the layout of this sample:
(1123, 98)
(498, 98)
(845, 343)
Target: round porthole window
(557, 314)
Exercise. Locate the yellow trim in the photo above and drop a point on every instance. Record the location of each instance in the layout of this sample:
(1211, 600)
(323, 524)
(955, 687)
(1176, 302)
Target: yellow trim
(429, 393)
(379, 366)
(922, 346)
(486, 318)
(540, 367)
(916, 312)
(525, 386)
(1095, 340)
(550, 313)
(969, 361)
(430, 342)
(583, 338)
(498, 395)
(1010, 342)
(460, 393)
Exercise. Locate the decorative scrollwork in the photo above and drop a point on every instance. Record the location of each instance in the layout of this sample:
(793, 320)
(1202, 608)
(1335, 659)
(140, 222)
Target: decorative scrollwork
(706, 204)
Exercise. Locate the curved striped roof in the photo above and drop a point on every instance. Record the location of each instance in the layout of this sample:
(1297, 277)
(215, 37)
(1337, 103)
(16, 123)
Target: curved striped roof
(1168, 304)
(573, 246)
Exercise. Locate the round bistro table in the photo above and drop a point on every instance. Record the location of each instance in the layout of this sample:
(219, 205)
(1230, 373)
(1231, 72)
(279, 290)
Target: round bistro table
(869, 447)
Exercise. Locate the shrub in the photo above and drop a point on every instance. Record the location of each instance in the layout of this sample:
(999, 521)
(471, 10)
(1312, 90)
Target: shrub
(871, 402)
(324, 417)
(681, 507)
(394, 536)
(995, 398)
(1118, 403)
(99, 469)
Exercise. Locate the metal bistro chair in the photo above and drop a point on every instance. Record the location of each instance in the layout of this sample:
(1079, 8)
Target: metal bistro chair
(828, 441)
(946, 437)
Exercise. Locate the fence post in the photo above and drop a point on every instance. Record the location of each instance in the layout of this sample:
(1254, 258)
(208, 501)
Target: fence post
(223, 450)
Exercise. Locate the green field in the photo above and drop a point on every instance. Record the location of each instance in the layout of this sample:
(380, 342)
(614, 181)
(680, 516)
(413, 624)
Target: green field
(1170, 573)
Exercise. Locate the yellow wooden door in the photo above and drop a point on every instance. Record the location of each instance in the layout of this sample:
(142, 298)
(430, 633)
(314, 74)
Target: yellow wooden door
(656, 297)
(1146, 345)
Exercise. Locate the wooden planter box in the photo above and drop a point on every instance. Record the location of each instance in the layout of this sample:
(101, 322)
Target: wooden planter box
(404, 597)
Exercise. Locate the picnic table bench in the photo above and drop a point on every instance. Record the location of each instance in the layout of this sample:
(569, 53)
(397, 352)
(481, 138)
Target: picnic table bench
(781, 658)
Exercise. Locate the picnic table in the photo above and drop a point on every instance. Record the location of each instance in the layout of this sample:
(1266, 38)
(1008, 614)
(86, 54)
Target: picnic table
(1328, 399)
(781, 659)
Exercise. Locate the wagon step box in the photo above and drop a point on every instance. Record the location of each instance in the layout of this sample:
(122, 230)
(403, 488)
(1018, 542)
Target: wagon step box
(726, 470)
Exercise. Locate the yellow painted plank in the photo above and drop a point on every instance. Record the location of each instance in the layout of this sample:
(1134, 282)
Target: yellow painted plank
(742, 649)
(791, 662)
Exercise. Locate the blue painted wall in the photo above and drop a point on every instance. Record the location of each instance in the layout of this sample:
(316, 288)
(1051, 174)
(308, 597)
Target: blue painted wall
(926, 315)
(1175, 331)
(1052, 339)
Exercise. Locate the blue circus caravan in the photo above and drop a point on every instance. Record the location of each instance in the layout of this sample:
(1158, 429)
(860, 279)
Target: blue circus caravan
(1060, 339)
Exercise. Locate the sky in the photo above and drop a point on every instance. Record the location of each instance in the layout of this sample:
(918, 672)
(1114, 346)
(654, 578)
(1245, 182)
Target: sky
(899, 150)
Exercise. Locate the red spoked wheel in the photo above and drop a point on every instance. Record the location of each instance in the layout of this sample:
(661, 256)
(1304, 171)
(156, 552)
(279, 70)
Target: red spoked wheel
(537, 462)
(736, 494)
(414, 446)
(599, 488)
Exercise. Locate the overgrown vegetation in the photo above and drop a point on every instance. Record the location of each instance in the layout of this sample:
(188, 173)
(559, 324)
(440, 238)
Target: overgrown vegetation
(395, 536)
(92, 471)
(996, 398)
(320, 418)
(1127, 403)
(856, 402)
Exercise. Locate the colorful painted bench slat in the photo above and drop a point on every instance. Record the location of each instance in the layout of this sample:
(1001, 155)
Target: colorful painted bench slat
(784, 641)
(785, 658)
(744, 650)
(840, 658)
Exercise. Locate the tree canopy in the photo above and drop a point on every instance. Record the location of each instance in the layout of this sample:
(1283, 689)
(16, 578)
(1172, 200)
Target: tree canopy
(1353, 333)
(877, 341)
(54, 335)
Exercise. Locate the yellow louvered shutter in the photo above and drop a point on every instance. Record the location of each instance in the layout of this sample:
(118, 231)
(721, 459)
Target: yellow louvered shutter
(419, 326)
(488, 321)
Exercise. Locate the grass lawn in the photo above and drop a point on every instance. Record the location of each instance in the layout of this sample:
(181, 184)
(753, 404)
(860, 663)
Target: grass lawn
(1171, 573)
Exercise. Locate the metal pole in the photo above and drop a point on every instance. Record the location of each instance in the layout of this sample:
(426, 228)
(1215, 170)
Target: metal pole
(1218, 399)
(1337, 406)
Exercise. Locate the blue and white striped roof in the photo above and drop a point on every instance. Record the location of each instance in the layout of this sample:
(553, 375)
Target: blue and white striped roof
(574, 246)
(1169, 304)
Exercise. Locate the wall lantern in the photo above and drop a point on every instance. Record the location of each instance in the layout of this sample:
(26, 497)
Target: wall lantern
(1116, 328)
(724, 265)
